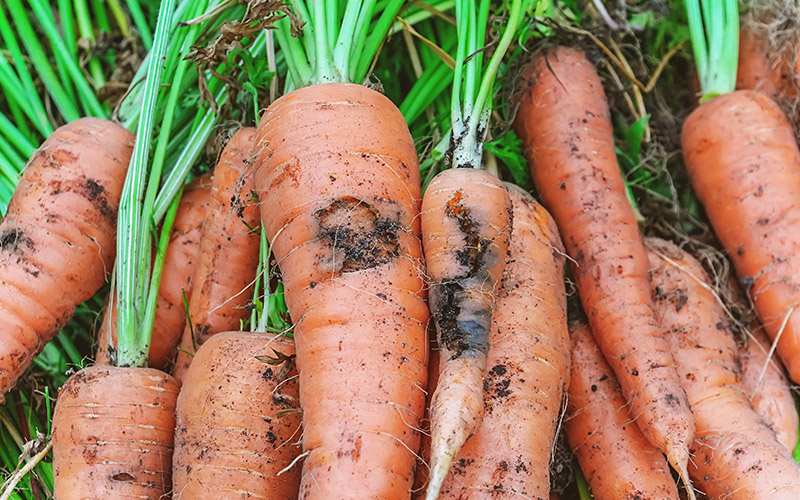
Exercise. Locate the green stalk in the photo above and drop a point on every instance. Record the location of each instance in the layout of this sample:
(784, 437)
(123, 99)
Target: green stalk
(369, 47)
(119, 16)
(714, 31)
(100, 15)
(85, 28)
(141, 23)
(20, 142)
(68, 26)
(326, 71)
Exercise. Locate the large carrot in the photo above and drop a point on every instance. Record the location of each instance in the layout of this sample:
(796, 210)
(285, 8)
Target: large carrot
(226, 269)
(339, 190)
(57, 239)
(766, 386)
(238, 421)
(179, 264)
(564, 122)
(616, 458)
(528, 359)
(735, 454)
(744, 163)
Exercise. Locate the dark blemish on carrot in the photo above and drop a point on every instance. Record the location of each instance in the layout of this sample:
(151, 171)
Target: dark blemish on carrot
(682, 300)
(720, 325)
(95, 193)
(635, 372)
(122, 476)
(604, 378)
(672, 400)
(740, 251)
(267, 375)
(15, 240)
(748, 282)
(498, 370)
(594, 388)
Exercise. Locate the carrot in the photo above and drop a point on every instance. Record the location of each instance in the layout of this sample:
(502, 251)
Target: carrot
(564, 123)
(112, 434)
(179, 264)
(226, 268)
(735, 454)
(57, 239)
(766, 387)
(238, 425)
(528, 359)
(618, 461)
(764, 68)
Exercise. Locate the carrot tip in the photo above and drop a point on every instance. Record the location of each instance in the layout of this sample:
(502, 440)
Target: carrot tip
(439, 470)
(678, 457)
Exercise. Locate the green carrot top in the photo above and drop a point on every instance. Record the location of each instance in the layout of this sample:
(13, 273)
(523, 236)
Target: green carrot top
(714, 28)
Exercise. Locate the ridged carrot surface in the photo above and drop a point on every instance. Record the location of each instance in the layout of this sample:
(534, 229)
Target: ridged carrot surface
(339, 189)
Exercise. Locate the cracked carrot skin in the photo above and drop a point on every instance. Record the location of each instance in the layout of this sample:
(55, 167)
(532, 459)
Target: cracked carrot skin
(238, 421)
(734, 454)
(339, 188)
(58, 238)
(616, 458)
(176, 279)
(744, 163)
(113, 434)
(565, 125)
(528, 361)
(223, 280)
(771, 395)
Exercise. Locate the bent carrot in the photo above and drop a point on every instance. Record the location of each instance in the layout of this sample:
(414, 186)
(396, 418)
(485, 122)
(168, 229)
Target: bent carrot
(735, 455)
(616, 458)
(176, 277)
(339, 189)
(564, 122)
(766, 387)
(238, 420)
(528, 360)
(57, 240)
(135, 404)
(226, 269)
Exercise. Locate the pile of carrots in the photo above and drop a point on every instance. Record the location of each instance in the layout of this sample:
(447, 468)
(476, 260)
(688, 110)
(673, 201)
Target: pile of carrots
(359, 402)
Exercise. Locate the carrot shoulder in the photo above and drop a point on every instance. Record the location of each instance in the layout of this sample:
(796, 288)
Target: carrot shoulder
(339, 188)
(744, 163)
(735, 455)
(565, 125)
(226, 269)
(528, 367)
(614, 455)
(57, 240)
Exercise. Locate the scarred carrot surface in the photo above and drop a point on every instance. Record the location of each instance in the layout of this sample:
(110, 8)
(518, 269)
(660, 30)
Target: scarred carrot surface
(238, 421)
(339, 188)
(734, 454)
(565, 124)
(528, 360)
(58, 238)
(223, 280)
(615, 457)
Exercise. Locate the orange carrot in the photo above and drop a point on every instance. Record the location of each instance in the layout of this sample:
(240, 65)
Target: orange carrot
(57, 240)
(565, 125)
(528, 359)
(226, 269)
(767, 69)
(614, 455)
(465, 227)
(735, 455)
(238, 421)
(137, 405)
(176, 277)
(750, 198)
(766, 386)
(339, 191)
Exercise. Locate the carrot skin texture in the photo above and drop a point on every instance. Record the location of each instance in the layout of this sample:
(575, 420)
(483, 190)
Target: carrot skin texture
(735, 454)
(565, 124)
(113, 434)
(528, 360)
(176, 279)
(742, 157)
(226, 269)
(764, 69)
(616, 458)
(58, 238)
(770, 396)
(339, 187)
(230, 438)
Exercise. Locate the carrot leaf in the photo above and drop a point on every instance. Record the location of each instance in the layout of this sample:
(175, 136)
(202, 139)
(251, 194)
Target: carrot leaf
(714, 30)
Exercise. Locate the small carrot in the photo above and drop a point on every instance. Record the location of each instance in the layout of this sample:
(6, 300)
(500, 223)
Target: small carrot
(238, 421)
(137, 406)
(616, 458)
(57, 240)
(528, 360)
(179, 264)
(565, 124)
(735, 454)
(766, 386)
(764, 68)
(226, 269)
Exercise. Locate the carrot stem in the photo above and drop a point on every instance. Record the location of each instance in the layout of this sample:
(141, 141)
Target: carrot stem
(714, 31)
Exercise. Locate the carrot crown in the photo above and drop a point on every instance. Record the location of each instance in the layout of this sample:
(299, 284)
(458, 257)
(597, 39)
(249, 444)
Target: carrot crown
(714, 29)
(473, 84)
(324, 43)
